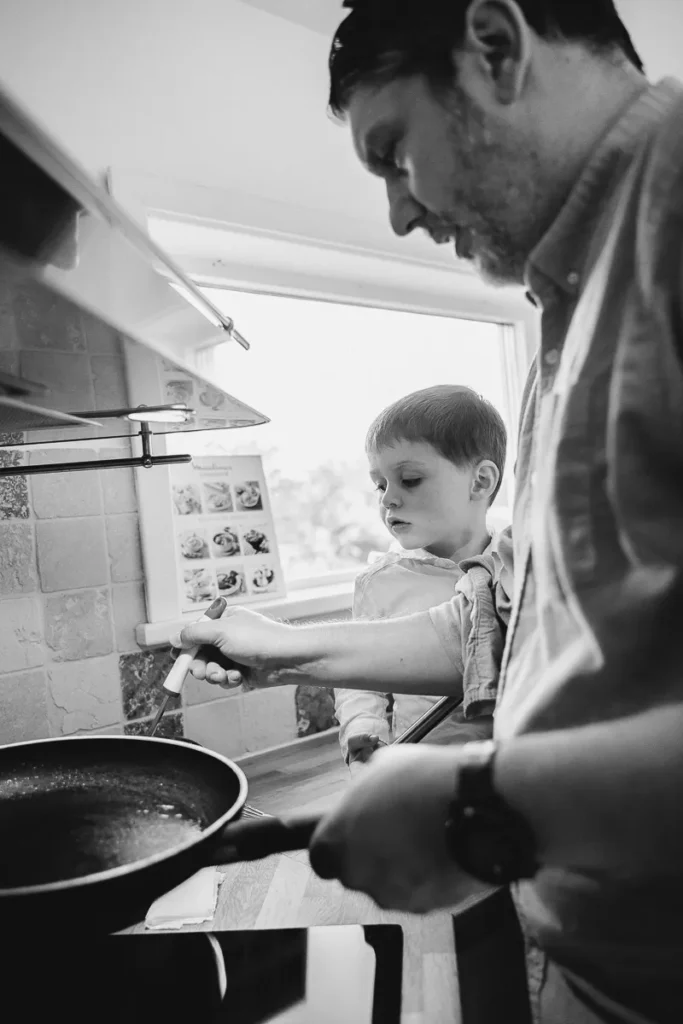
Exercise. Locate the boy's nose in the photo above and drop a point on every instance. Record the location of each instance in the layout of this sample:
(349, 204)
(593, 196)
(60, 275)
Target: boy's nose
(389, 501)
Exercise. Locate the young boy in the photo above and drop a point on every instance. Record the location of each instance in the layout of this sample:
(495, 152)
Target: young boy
(437, 458)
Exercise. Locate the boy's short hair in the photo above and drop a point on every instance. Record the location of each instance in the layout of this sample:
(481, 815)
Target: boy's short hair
(461, 425)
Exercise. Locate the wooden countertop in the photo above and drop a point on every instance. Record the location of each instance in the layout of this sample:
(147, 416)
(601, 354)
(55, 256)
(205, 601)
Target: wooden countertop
(283, 892)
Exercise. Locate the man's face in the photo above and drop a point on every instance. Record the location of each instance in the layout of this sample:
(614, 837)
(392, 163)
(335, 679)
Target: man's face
(467, 176)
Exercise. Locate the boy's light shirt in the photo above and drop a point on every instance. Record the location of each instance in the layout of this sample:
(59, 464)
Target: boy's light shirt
(401, 582)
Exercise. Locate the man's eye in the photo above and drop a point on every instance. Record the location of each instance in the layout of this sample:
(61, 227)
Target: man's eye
(389, 161)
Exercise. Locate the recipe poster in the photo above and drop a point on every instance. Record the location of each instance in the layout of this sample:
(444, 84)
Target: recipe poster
(224, 534)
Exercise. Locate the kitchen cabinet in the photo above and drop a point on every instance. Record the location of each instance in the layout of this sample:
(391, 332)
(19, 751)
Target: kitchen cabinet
(89, 288)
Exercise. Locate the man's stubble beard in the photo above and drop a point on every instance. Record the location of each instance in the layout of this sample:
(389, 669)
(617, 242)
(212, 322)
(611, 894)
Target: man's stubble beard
(505, 192)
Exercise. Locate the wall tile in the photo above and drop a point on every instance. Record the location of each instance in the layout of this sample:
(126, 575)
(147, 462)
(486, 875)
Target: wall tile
(217, 726)
(20, 634)
(8, 334)
(61, 495)
(78, 625)
(71, 554)
(100, 337)
(83, 695)
(68, 375)
(268, 717)
(45, 320)
(142, 674)
(128, 600)
(118, 486)
(23, 709)
(196, 692)
(108, 730)
(14, 503)
(17, 559)
(111, 391)
(314, 710)
(123, 542)
(9, 361)
(170, 727)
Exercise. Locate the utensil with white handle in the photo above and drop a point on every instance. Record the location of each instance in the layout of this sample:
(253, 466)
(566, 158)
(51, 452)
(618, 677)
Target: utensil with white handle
(174, 681)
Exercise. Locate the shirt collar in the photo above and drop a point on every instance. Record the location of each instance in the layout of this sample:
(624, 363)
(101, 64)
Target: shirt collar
(420, 555)
(561, 254)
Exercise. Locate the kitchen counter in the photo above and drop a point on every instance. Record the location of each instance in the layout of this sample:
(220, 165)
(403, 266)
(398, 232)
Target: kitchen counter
(283, 892)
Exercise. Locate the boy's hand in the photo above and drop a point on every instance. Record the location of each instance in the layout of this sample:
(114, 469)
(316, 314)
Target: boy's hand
(361, 748)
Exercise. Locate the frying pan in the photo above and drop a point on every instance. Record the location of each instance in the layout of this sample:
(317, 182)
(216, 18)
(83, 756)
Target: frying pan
(94, 829)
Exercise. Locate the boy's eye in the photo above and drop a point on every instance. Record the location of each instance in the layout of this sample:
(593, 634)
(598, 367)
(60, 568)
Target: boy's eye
(380, 487)
(413, 482)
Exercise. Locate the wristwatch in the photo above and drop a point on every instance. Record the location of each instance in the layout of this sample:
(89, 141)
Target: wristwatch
(485, 836)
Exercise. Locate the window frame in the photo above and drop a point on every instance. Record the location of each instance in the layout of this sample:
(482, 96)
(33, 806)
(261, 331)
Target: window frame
(389, 273)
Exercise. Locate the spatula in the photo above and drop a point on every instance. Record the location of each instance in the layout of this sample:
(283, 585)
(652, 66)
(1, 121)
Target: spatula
(174, 681)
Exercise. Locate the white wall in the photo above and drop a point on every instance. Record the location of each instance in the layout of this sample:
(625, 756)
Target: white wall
(208, 91)
(215, 92)
(657, 30)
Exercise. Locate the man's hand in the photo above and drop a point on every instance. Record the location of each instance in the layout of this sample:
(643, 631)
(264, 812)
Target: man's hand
(387, 838)
(402, 655)
(241, 645)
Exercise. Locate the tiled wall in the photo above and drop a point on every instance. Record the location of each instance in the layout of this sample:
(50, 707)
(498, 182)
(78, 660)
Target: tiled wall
(71, 578)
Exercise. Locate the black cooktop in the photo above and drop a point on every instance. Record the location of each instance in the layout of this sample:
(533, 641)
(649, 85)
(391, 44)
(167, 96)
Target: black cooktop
(349, 974)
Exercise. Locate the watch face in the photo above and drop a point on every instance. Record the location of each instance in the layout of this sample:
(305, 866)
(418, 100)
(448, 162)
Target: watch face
(489, 844)
(486, 846)
(487, 838)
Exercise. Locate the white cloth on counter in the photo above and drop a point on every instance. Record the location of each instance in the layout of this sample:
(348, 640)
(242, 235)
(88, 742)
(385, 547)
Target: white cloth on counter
(191, 902)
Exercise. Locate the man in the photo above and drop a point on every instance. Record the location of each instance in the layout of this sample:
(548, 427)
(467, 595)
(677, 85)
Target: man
(526, 133)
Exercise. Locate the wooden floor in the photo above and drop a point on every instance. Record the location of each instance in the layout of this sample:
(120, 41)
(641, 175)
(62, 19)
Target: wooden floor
(283, 892)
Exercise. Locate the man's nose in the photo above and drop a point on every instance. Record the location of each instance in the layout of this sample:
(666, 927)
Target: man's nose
(405, 213)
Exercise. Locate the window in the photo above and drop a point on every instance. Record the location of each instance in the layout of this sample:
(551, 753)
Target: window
(322, 371)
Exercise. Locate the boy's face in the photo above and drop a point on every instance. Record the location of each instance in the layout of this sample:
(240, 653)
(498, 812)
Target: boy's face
(425, 500)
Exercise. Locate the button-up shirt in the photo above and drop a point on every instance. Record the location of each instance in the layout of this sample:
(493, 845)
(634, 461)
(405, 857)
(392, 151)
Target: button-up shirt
(598, 522)
(477, 608)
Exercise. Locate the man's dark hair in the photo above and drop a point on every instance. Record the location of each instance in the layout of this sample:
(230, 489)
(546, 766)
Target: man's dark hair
(461, 425)
(380, 40)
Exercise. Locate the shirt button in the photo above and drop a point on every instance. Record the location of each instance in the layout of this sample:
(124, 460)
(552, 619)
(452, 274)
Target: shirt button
(573, 279)
(552, 357)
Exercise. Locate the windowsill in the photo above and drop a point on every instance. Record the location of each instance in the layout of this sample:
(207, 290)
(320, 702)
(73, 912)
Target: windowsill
(299, 604)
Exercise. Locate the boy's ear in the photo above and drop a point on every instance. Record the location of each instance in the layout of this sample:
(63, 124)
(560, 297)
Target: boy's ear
(485, 480)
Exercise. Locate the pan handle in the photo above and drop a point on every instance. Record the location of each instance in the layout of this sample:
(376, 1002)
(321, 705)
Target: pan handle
(261, 837)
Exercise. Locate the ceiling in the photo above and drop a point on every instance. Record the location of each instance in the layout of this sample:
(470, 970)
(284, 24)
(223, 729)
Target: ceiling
(319, 15)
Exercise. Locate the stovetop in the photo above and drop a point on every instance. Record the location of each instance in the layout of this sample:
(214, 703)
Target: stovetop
(349, 974)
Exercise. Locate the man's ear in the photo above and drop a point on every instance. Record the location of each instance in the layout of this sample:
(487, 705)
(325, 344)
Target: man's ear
(499, 38)
(484, 480)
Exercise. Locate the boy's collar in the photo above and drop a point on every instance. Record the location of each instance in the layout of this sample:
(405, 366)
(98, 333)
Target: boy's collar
(420, 554)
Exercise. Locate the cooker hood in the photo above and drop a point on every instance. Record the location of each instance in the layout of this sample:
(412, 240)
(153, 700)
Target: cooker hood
(87, 279)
